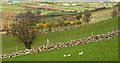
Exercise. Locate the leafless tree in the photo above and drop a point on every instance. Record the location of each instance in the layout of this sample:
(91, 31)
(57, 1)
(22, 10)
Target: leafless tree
(24, 29)
(118, 5)
(114, 13)
(86, 17)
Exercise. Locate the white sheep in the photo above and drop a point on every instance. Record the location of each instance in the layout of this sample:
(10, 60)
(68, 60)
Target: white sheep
(65, 55)
(69, 54)
(81, 53)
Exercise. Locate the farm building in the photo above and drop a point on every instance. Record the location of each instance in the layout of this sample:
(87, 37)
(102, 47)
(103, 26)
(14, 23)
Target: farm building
(74, 4)
(42, 4)
(66, 4)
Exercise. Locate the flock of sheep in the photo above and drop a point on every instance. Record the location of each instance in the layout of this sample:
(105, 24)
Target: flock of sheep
(54, 46)
(68, 55)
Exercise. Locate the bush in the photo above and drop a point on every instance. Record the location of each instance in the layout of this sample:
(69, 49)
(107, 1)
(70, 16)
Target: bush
(78, 22)
(67, 23)
(41, 26)
(78, 16)
(45, 25)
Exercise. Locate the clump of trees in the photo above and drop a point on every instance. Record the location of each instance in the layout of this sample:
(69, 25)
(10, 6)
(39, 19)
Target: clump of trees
(86, 17)
(24, 29)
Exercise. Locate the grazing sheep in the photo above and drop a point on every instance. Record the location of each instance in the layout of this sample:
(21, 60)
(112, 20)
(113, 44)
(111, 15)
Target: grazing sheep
(81, 53)
(63, 45)
(65, 55)
(69, 55)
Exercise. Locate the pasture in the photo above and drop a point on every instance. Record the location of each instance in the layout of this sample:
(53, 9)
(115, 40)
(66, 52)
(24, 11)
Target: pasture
(104, 50)
(101, 22)
(83, 6)
(10, 42)
(16, 9)
(95, 16)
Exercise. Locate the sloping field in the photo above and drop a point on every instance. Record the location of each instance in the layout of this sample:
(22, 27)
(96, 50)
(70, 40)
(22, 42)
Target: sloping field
(10, 43)
(104, 50)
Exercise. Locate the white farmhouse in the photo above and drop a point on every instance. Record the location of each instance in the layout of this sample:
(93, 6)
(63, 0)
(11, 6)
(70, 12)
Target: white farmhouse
(66, 4)
(41, 4)
(74, 4)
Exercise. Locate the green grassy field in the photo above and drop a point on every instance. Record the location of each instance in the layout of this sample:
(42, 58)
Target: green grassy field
(77, 8)
(11, 8)
(104, 50)
(98, 16)
(95, 16)
(15, 8)
(10, 43)
(50, 20)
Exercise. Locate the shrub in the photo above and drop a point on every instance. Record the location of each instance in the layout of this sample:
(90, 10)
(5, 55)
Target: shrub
(78, 22)
(45, 25)
(67, 23)
(78, 16)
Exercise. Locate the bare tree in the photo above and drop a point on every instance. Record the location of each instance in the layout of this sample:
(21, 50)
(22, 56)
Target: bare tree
(24, 29)
(61, 20)
(71, 18)
(114, 13)
(86, 17)
(118, 5)
(87, 13)
(37, 15)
